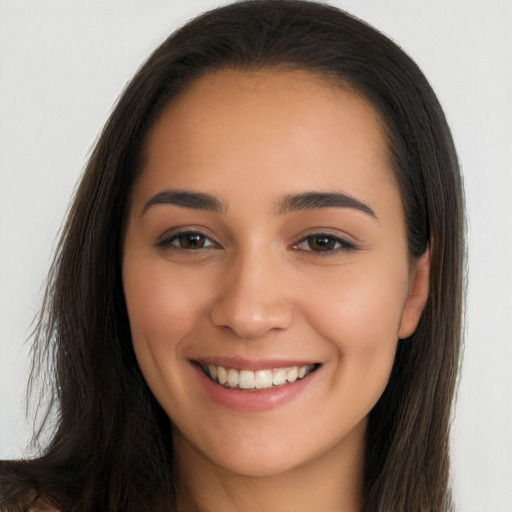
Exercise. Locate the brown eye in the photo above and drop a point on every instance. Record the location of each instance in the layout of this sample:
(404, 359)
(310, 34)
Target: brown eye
(191, 241)
(187, 241)
(322, 243)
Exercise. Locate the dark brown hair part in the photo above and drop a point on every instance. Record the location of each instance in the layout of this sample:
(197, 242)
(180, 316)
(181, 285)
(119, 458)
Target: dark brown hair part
(112, 448)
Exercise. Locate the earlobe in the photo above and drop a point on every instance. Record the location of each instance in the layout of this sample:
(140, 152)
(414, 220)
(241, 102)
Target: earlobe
(417, 296)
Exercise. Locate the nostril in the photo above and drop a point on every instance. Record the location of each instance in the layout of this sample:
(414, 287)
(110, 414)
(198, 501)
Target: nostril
(250, 321)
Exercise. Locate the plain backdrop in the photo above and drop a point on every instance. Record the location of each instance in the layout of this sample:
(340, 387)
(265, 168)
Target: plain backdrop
(64, 63)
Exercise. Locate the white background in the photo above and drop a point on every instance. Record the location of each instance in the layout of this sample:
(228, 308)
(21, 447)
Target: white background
(63, 64)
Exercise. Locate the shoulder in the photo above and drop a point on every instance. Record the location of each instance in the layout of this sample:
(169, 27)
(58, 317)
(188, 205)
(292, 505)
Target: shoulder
(42, 503)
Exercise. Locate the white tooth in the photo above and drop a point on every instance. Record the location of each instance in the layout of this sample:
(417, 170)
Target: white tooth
(302, 371)
(212, 370)
(263, 379)
(247, 379)
(260, 379)
(279, 377)
(222, 375)
(232, 378)
(291, 374)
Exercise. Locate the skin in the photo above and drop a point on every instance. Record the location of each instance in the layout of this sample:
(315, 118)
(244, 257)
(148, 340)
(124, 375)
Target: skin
(260, 288)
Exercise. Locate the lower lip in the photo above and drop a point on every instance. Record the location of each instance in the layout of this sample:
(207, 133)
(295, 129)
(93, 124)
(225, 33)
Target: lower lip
(253, 401)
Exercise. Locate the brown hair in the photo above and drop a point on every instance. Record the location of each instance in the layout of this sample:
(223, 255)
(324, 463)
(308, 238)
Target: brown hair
(112, 449)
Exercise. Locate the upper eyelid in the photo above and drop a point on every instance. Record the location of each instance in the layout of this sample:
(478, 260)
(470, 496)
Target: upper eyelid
(344, 245)
(182, 230)
(170, 235)
(344, 238)
(326, 235)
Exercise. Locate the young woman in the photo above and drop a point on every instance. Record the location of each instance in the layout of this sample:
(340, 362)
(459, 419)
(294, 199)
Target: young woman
(256, 303)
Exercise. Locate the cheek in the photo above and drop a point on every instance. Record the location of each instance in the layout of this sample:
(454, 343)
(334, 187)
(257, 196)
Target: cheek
(163, 308)
(160, 306)
(360, 317)
(359, 309)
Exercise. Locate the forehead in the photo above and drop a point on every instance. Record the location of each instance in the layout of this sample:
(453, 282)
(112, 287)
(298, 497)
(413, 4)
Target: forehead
(290, 128)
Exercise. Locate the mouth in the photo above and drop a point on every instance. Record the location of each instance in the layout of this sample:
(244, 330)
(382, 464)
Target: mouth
(249, 380)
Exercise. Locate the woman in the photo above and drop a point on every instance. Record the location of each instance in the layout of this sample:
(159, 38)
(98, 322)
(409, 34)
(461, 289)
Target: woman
(257, 297)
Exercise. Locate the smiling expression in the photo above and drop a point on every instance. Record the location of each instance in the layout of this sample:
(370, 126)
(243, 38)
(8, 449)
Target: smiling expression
(266, 269)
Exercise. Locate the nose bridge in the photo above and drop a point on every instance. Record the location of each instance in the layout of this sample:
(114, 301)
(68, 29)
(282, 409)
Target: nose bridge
(253, 296)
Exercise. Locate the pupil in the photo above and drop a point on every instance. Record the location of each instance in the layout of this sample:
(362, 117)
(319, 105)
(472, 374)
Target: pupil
(321, 243)
(192, 241)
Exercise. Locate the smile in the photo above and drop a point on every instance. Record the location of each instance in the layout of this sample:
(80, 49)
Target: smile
(255, 380)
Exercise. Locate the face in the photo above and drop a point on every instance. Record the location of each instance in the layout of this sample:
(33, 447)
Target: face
(266, 270)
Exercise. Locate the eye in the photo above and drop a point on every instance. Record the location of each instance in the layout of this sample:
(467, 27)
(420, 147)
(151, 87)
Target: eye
(323, 243)
(187, 241)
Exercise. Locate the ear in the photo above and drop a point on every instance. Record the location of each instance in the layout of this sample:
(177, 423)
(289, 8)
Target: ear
(419, 277)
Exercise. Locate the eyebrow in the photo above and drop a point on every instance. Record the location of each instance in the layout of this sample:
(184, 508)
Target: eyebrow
(187, 199)
(313, 200)
(290, 203)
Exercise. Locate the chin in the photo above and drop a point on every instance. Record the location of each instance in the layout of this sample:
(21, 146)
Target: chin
(265, 465)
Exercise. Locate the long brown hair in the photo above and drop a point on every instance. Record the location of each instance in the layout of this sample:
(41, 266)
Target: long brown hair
(112, 447)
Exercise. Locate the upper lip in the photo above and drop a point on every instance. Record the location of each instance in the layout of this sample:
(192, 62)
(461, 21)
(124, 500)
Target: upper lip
(242, 363)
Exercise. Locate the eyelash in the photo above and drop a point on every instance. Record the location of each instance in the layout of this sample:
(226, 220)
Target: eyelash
(340, 244)
(167, 241)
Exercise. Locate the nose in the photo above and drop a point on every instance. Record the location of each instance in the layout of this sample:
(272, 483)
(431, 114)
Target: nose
(253, 299)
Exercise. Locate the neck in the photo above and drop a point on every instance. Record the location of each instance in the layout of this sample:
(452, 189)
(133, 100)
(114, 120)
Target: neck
(332, 482)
